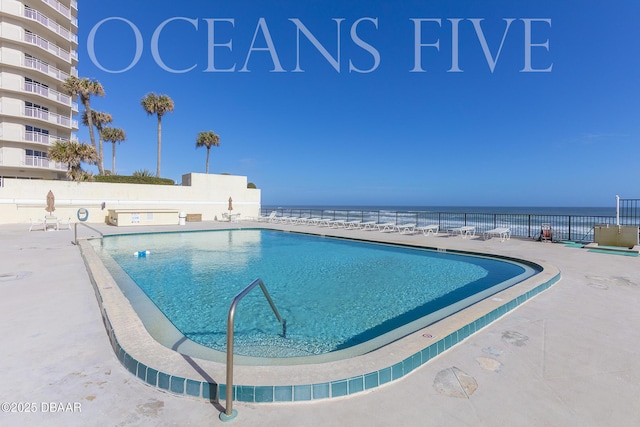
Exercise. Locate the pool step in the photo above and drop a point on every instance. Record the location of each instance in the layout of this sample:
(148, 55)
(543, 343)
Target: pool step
(615, 250)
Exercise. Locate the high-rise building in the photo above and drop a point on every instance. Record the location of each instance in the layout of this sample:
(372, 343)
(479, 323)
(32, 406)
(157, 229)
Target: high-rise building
(38, 52)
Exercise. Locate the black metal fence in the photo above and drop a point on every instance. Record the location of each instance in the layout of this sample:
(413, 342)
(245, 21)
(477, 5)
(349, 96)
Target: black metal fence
(629, 211)
(565, 227)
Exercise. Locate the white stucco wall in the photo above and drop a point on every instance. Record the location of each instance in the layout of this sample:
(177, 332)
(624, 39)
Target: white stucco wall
(206, 194)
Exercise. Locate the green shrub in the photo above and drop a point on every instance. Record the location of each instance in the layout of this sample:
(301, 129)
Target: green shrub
(143, 172)
(251, 185)
(122, 179)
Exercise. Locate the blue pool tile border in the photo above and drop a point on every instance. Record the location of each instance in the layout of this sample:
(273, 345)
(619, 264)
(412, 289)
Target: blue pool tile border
(307, 392)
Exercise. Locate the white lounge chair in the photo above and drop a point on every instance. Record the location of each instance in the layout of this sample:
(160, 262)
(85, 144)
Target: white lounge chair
(405, 228)
(314, 220)
(324, 222)
(267, 218)
(50, 223)
(503, 232)
(337, 223)
(64, 224)
(282, 219)
(428, 229)
(352, 225)
(368, 225)
(290, 219)
(467, 230)
(386, 227)
(300, 220)
(36, 224)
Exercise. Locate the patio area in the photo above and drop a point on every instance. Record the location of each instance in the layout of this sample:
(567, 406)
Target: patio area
(569, 356)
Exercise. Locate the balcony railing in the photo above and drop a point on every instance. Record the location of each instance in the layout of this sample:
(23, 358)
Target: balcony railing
(42, 138)
(40, 89)
(49, 23)
(45, 44)
(50, 117)
(50, 70)
(43, 162)
(59, 7)
(45, 138)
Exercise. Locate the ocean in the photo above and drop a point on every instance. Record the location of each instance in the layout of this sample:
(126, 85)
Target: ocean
(549, 210)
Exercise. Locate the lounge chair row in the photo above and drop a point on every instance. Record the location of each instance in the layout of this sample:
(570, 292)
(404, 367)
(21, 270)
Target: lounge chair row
(385, 227)
(504, 233)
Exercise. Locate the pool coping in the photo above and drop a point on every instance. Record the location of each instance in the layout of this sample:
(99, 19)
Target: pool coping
(170, 371)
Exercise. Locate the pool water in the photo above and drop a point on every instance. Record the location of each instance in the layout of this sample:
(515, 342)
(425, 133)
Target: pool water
(335, 294)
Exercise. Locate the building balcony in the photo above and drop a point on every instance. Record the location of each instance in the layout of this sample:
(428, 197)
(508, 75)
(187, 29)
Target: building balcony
(64, 10)
(52, 94)
(48, 69)
(35, 162)
(51, 24)
(50, 117)
(43, 162)
(46, 139)
(50, 47)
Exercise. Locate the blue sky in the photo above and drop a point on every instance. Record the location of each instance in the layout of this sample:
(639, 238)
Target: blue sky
(523, 103)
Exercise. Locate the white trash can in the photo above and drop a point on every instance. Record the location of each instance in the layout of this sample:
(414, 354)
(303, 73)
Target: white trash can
(182, 217)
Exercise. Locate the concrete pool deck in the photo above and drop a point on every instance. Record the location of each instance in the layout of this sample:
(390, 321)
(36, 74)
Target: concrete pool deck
(569, 356)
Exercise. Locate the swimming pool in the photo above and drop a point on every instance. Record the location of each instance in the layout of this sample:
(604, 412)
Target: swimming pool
(340, 297)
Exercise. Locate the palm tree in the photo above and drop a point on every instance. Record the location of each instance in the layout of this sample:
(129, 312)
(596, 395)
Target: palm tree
(208, 139)
(158, 105)
(84, 88)
(73, 153)
(99, 118)
(113, 135)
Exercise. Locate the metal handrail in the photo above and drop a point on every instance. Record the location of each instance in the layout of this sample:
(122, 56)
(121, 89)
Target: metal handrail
(75, 231)
(229, 412)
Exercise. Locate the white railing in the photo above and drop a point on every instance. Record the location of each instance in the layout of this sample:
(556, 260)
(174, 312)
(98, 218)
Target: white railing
(37, 113)
(37, 88)
(45, 44)
(49, 23)
(50, 117)
(37, 64)
(50, 70)
(37, 161)
(44, 138)
(59, 7)
(43, 162)
(40, 89)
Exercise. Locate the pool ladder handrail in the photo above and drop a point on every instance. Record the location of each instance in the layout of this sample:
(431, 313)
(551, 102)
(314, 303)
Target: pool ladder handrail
(75, 231)
(229, 412)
